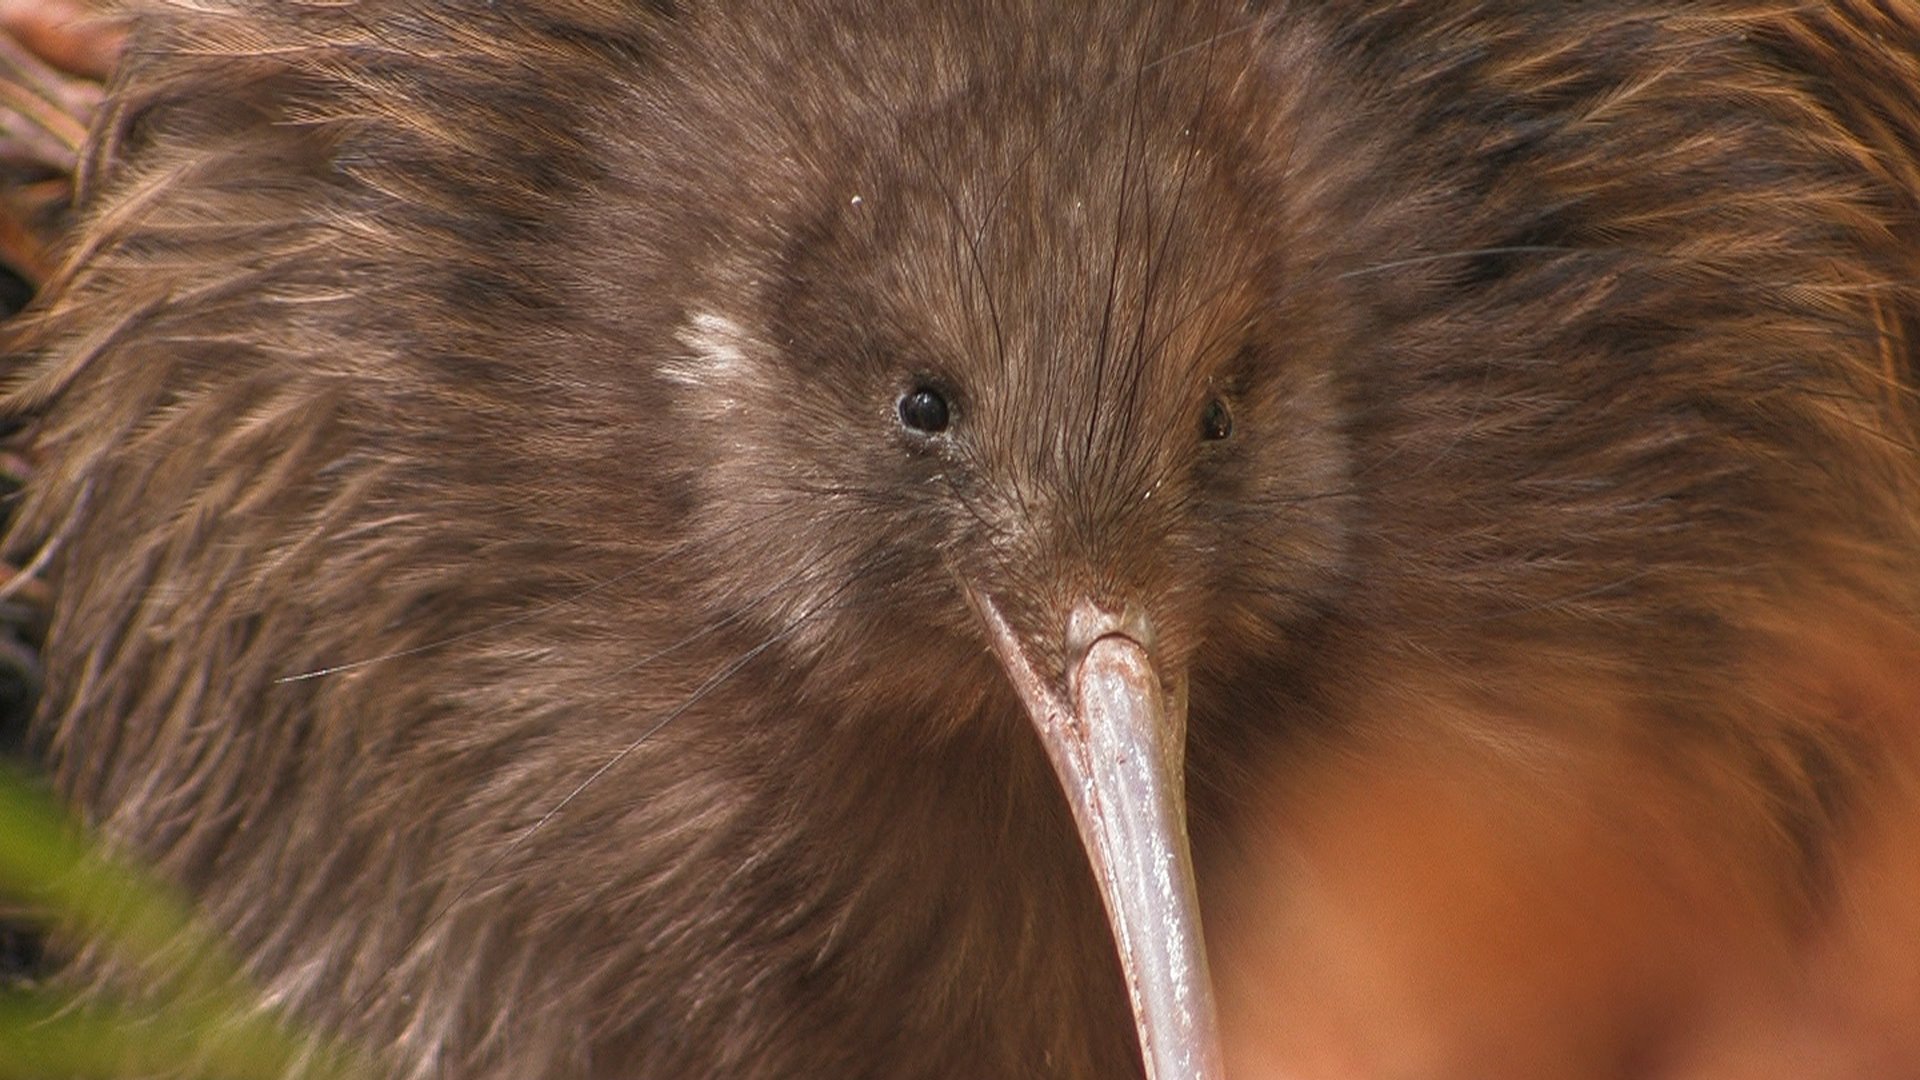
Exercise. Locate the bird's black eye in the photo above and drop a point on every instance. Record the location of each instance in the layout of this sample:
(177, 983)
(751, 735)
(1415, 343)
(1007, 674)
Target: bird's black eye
(923, 409)
(1216, 422)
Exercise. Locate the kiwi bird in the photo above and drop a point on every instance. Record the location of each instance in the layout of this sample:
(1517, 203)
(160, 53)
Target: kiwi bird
(663, 538)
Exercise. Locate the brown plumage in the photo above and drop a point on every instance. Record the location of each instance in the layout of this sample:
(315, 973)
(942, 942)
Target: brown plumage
(494, 573)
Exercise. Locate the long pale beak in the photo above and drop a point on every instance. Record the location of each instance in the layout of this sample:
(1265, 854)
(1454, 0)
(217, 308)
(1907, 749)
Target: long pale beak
(1118, 746)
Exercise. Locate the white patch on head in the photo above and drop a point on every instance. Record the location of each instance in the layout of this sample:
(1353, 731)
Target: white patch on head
(716, 352)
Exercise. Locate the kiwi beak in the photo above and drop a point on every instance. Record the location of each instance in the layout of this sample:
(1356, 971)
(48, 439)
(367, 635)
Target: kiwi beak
(1117, 741)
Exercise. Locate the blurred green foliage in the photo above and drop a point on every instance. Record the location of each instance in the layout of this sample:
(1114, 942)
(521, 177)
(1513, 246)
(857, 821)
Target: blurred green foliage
(196, 1015)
